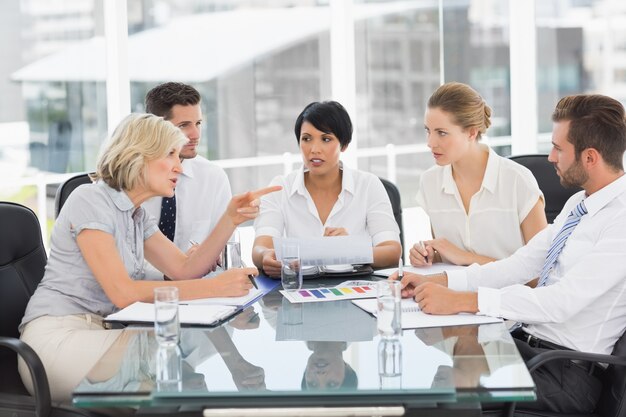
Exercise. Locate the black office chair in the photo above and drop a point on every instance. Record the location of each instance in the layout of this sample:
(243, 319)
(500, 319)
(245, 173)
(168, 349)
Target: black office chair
(396, 205)
(612, 401)
(22, 262)
(66, 188)
(549, 183)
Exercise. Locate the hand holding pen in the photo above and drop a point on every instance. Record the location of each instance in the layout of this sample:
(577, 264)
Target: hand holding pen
(243, 265)
(250, 277)
(421, 254)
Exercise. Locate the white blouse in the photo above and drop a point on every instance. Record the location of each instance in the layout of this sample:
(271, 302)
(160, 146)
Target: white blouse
(363, 208)
(493, 225)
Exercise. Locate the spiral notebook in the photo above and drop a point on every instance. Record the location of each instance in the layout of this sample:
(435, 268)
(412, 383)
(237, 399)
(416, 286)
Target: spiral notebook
(414, 318)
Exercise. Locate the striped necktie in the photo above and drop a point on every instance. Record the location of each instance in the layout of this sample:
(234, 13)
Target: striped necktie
(559, 241)
(167, 221)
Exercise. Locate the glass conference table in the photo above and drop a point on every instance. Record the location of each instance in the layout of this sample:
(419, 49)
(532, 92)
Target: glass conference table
(325, 354)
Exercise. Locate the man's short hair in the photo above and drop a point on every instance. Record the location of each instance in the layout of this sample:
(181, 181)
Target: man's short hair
(596, 121)
(163, 97)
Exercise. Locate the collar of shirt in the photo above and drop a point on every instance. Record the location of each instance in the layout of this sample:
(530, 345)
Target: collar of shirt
(490, 178)
(119, 198)
(187, 168)
(596, 201)
(347, 182)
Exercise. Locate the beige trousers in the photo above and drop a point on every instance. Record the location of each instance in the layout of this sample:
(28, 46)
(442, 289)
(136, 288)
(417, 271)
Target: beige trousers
(68, 346)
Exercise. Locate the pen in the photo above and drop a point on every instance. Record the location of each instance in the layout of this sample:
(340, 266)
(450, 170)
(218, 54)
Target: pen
(424, 249)
(400, 269)
(250, 276)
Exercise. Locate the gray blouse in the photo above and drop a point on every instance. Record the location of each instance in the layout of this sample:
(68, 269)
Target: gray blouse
(68, 286)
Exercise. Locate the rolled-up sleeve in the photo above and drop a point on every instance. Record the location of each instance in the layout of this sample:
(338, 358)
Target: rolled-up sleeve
(528, 193)
(89, 211)
(150, 225)
(381, 224)
(585, 284)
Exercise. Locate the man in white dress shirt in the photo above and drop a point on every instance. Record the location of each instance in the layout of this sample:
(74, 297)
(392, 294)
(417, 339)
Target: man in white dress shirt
(580, 300)
(203, 190)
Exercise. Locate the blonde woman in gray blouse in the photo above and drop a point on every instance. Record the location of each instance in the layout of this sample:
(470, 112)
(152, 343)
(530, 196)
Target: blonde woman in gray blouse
(99, 244)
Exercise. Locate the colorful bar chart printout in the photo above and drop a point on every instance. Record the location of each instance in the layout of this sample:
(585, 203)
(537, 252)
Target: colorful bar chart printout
(310, 295)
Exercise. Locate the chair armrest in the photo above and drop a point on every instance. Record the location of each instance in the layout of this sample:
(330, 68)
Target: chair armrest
(43, 403)
(550, 355)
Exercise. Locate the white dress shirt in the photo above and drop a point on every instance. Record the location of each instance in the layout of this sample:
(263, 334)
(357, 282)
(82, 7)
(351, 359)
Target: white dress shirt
(363, 208)
(202, 194)
(492, 226)
(583, 305)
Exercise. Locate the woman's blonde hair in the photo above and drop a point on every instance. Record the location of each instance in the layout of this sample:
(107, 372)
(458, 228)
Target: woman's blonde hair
(137, 140)
(467, 107)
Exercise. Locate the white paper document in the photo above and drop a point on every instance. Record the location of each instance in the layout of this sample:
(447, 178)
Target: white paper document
(414, 318)
(188, 314)
(265, 285)
(423, 270)
(229, 301)
(330, 250)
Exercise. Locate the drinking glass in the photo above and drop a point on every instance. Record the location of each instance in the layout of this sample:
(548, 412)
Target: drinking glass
(166, 320)
(231, 255)
(390, 363)
(169, 368)
(388, 312)
(291, 271)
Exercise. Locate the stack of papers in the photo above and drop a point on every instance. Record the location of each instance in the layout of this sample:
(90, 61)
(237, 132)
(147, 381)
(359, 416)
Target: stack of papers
(414, 318)
(335, 250)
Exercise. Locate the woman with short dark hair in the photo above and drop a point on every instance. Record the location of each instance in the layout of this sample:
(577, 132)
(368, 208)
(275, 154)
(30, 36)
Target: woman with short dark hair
(325, 198)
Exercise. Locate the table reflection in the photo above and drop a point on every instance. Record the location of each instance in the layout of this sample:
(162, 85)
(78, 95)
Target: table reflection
(276, 349)
(135, 362)
(481, 356)
(326, 368)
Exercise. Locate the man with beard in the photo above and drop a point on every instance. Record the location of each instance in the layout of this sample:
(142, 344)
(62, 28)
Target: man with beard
(203, 190)
(579, 301)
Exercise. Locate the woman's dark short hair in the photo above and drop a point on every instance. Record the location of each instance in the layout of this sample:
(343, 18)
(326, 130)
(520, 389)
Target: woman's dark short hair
(328, 117)
(350, 379)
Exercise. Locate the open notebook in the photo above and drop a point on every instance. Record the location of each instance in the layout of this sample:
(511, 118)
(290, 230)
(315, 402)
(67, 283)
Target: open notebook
(423, 270)
(198, 314)
(414, 318)
(265, 285)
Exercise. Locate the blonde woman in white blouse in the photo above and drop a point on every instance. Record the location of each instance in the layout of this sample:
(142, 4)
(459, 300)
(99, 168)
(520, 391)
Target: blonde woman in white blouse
(482, 207)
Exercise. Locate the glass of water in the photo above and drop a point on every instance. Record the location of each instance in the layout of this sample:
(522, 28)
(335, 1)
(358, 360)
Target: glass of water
(291, 270)
(169, 369)
(166, 321)
(390, 363)
(231, 256)
(388, 313)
